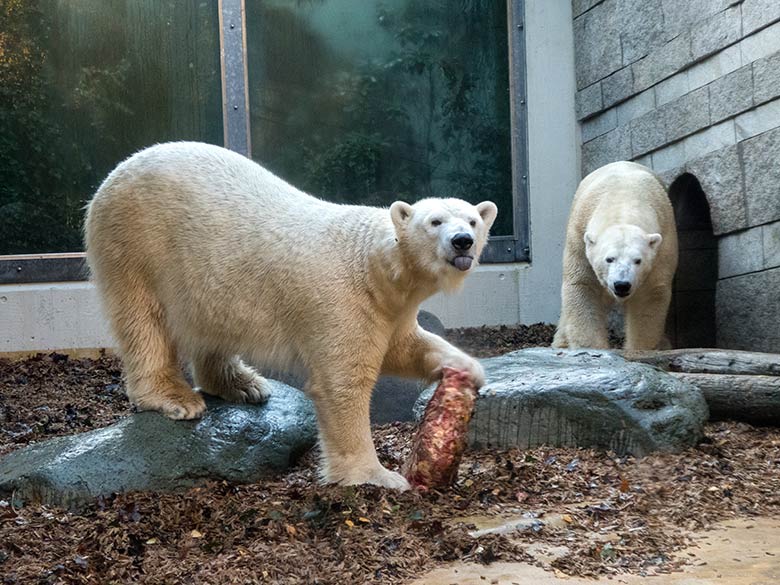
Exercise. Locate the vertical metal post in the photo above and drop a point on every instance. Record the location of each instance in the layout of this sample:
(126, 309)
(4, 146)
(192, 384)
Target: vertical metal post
(519, 120)
(235, 96)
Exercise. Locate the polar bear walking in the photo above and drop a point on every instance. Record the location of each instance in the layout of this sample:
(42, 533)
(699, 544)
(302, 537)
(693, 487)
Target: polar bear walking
(199, 252)
(621, 246)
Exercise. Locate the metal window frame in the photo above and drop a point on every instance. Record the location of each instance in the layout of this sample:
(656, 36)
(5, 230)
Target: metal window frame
(72, 267)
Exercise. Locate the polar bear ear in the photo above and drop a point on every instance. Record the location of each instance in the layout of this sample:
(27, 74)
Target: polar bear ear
(487, 211)
(589, 239)
(400, 212)
(654, 240)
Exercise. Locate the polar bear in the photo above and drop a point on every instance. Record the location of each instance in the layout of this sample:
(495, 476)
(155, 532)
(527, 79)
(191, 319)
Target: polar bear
(621, 247)
(198, 252)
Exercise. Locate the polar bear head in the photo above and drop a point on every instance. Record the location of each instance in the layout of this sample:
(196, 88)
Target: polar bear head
(443, 237)
(622, 256)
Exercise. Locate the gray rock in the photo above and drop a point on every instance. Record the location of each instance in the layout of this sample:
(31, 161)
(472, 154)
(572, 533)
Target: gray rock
(766, 78)
(663, 62)
(599, 125)
(679, 16)
(588, 101)
(687, 114)
(762, 176)
(758, 13)
(597, 43)
(720, 176)
(771, 243)
(748, 311)
(642, 28)
(583, 398)
(731, 94)
(618, 87)
(647, 132)
(718, 31)
(147, 451)
(580, 6)
(610, 147)
(740, 252)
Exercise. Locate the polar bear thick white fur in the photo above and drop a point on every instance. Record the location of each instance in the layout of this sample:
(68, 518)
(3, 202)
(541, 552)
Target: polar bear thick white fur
(621, 247)
(198, 252)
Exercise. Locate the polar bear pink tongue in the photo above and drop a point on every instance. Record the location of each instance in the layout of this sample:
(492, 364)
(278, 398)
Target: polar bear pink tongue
(462, 262)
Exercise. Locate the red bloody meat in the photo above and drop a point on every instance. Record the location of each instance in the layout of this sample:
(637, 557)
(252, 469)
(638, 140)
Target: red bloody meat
(442, 434)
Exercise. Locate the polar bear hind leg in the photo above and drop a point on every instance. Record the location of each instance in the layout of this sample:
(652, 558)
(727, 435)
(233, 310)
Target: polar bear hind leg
(229, 378)
(153, 375)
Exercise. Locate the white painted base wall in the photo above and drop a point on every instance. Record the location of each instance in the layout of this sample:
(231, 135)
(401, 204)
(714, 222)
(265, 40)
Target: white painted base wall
(66, 316)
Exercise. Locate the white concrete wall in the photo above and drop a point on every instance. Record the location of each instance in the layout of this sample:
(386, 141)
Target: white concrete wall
(66, 316)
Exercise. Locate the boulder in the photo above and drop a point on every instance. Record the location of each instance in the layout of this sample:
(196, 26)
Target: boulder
(147, 451)
(582, 398)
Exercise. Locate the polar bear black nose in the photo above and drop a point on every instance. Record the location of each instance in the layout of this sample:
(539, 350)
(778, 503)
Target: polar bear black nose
(462, 242)
(622, 287)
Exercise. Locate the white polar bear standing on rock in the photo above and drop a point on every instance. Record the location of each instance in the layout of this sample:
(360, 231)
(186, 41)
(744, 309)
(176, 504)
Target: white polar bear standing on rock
(621, 246)
(200, 252)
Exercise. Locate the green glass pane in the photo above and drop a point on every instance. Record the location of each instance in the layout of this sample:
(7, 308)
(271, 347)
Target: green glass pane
(85, 83)
(368, 101)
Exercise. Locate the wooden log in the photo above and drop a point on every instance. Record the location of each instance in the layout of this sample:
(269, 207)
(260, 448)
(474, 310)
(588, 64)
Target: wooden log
(752, 399)
(709, 361)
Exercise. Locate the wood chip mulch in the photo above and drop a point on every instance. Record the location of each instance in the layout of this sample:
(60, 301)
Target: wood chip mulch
(613, 515)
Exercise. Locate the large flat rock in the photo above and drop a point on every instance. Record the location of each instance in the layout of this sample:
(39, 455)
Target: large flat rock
(582, 398)
(147, 451)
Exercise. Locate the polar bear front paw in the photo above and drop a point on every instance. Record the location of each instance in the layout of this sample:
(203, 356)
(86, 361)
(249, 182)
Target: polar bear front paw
(375, 475)
(461, 361)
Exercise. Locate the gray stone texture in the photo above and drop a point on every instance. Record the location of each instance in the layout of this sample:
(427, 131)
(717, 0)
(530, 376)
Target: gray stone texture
(760, 156)
(642, 28)
(758, 14)
(597, 38)
(740, 253)
(671, 88)
(589, 101)
(680, 15)
(748, 312)
(582, 398)
(610, 147)
(617, 87)
(720, 176)
(766, 78)
(147, 451)
(731, 94)
(687, 114)
(580, 6)
(647, 132)
(636, 106)
(599, 125)
(718, 31)
(771, 244)
(663, 62)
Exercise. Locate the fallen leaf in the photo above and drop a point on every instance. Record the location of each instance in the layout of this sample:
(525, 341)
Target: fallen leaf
(365, 520)
(624, 487)
(349, 523)
(567, 518)
(196, 534)
(290, 529)
(152, 541)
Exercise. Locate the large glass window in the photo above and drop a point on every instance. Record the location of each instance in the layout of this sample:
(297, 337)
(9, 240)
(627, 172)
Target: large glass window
(83, 84)
(373, 100)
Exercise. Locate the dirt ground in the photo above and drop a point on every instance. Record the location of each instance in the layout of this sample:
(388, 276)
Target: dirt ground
(619, 515)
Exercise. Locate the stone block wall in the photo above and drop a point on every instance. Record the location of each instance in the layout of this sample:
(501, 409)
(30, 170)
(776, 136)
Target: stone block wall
(693, 87)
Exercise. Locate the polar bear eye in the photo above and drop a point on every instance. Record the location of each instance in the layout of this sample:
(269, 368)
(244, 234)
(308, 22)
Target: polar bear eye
(638, 261)
(436, 222)
(610, 260)
(473, 223)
